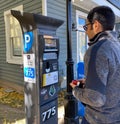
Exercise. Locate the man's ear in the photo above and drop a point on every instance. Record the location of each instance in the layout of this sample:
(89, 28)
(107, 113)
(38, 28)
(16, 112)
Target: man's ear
(97, 27)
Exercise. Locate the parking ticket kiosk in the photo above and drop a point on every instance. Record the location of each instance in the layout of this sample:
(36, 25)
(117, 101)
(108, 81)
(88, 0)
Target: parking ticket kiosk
(41, 51)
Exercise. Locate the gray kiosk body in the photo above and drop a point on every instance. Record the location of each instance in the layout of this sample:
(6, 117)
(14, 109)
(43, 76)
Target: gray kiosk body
(40, 58)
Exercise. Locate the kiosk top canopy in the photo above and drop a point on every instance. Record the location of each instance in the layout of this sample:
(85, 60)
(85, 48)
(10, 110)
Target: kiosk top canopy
(30, 21)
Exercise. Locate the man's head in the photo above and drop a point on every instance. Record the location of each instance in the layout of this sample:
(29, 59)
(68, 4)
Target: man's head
(104, 15)
(99, 19)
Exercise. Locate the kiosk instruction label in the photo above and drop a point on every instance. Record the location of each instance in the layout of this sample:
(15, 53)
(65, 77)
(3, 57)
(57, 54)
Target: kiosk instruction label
(50, 78)
(29, 68)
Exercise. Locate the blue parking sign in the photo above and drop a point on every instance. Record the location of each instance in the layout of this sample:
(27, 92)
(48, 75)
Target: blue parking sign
(28, 41)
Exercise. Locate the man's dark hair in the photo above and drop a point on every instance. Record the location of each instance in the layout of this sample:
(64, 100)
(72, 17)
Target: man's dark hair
(104, 15)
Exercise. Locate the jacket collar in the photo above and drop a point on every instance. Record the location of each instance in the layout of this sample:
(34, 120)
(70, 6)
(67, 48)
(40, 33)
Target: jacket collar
(96, 38)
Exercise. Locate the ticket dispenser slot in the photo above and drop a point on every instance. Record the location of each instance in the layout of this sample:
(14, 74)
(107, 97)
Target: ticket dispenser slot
(40, 54)
(47, 66)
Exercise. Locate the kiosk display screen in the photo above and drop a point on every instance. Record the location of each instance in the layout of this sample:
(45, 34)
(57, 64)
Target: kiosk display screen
(50, 43)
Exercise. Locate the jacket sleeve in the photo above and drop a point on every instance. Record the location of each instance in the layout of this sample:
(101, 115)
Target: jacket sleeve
(89, 97)
(96, 79)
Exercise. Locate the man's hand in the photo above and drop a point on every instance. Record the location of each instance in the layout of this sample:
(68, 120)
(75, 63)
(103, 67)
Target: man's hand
(80, 83)
(72, 84)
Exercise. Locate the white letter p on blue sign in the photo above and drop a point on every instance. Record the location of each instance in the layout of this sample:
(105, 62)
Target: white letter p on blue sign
(27, 38)
(28, 41)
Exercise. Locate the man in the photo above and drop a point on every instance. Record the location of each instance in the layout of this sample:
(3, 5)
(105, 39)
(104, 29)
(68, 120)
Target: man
(101, 90)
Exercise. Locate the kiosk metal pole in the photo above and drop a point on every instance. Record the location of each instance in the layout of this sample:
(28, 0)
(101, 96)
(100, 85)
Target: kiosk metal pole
(71, 103)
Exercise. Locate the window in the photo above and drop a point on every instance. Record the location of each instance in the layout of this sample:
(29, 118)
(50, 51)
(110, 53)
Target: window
(81, 36)
(116, 3)
(13, 37)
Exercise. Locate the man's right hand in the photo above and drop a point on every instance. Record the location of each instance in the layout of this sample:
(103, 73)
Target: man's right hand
(80, 83)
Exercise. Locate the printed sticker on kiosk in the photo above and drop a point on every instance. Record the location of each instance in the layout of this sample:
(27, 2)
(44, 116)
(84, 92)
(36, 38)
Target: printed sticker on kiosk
(29, 68)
